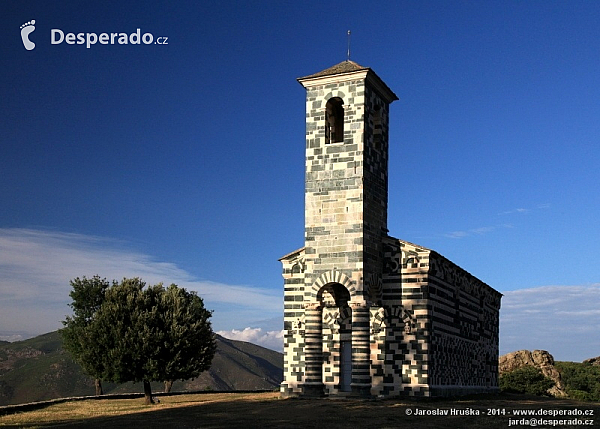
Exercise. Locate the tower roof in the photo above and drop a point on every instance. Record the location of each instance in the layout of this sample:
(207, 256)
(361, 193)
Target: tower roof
(348, 70)
(343, 67)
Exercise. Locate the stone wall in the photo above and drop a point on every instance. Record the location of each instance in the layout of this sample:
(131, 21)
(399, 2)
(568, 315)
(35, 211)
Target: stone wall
(433, 327)
(464, 330)
(293, 323)
(365, 313)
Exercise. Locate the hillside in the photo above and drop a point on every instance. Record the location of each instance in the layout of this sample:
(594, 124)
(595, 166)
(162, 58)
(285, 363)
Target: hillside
(39, 369)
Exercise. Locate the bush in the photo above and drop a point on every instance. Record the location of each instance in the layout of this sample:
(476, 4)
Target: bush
(526, 379)
(582, 381)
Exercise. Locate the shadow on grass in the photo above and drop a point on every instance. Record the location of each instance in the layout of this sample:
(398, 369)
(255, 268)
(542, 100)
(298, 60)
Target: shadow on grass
(329, 413)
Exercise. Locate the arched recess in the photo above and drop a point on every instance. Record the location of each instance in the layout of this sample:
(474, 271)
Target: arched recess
(385, 316)
(332, 276)
(333, 295)
(298, 267)
(334, 120)
(374, 288)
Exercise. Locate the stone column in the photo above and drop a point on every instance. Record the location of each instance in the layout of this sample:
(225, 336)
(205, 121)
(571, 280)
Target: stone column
(313, 351)
(361, 363)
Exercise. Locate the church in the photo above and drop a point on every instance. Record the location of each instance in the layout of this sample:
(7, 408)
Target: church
(367, 314)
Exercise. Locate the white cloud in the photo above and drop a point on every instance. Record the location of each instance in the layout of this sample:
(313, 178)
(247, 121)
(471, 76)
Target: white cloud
(10, 337)
(564, 320)
(513, 211)
(521, 210)
(488, 229)
(457, 234)
(482, 230)
(269, 339)
(36, 266)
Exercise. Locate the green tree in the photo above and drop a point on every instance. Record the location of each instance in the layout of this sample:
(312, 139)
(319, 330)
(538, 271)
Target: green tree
(87, 295)
(582, 380)
(526, 379)
(150, 334)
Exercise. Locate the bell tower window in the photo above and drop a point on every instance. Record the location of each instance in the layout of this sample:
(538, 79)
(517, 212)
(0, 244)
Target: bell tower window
(334, 121)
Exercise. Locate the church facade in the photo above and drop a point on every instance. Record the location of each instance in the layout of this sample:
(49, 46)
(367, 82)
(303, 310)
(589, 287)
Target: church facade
(366, 313)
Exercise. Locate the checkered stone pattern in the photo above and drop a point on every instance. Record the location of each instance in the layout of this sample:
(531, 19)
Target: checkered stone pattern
(375, 182)
(457, 320)
(294, 324)
(465, 321)
(415, 323)
(361, 374)
(396, 369)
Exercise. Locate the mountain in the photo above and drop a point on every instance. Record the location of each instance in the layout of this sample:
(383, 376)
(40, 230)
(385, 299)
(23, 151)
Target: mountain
(39, 369)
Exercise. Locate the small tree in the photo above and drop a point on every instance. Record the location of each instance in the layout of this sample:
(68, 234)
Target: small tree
(150, 334)
(87, 296)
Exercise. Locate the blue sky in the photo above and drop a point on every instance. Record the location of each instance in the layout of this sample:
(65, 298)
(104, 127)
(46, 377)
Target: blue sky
(184, 162)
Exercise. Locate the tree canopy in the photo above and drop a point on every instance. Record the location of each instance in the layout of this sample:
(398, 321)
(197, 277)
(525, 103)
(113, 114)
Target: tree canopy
(138, 333)
(582, 380)
(87, 295)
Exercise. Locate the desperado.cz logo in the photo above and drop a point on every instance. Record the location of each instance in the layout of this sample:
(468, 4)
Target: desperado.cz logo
(58, 36)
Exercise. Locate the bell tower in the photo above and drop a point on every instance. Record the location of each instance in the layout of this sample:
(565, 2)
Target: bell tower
(332, 282)
(346, 194)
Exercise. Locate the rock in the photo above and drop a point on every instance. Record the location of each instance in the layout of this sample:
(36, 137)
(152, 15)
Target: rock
(539, 359)
(593, 361)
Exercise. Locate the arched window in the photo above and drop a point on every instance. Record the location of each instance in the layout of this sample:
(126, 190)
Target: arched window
(334, 121)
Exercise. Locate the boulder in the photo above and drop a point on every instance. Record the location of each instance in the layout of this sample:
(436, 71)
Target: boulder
(593, 361)
(539, 359)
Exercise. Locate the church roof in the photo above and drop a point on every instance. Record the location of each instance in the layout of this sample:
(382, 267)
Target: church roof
(343, 67)
(294, 253)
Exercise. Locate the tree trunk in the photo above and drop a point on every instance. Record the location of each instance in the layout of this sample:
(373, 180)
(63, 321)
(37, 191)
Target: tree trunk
(168, 385)
(148, 393)
(98, 384)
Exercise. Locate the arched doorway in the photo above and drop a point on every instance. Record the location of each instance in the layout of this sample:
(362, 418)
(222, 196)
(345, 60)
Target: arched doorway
(337, 338)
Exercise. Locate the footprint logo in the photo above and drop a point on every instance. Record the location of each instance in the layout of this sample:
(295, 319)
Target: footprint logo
(26, 30)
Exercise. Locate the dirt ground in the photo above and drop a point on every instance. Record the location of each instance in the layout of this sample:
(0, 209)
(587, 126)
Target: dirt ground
(267, 410)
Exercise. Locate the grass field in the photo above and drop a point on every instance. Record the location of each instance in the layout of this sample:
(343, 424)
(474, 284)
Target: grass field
(266, 410)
